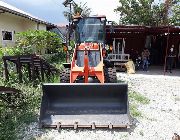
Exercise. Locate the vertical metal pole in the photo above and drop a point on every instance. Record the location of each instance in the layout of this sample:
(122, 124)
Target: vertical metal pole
(114, 43)
(69, 36)
(167, 44)
(118, 47)
(113, 46)
(69, 24)
(123, 46)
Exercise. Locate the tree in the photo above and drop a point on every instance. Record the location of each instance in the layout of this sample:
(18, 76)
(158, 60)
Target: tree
(175, 13)
(148, 12)
(78, 9)
(137, 12)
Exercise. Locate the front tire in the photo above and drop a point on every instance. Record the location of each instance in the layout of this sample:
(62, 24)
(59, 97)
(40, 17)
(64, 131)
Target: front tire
(110, 75)
(65, 75)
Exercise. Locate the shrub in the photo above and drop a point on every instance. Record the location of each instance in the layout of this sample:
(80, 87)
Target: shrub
(38, 39)
(13, 119)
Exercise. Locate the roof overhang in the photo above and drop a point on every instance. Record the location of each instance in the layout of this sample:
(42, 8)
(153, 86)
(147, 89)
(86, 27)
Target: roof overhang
(143, 29)
(8, 10)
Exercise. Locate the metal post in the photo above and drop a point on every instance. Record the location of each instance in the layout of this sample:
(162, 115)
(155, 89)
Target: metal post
(118, 47)
(114, 43)
(69, 35)
(165, 61)
(69, 24)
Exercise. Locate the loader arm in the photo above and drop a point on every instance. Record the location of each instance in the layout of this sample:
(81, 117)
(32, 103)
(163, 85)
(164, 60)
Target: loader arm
(85, 65)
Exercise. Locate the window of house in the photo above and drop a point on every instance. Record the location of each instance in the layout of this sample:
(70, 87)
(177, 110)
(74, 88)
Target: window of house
(7, 35)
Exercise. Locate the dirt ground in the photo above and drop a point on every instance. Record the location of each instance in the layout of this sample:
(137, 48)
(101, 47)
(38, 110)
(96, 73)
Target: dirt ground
(160, 118)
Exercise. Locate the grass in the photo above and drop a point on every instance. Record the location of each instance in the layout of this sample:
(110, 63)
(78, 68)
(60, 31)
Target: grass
(134, 111)
(120, 81)
(137, 99)
(141, 132)
(12, 119)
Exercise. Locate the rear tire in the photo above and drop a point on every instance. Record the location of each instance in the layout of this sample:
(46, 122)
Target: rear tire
(65, 75)
(110, 75)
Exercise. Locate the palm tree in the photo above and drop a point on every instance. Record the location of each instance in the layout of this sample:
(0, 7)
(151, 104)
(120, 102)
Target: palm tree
(77, 10)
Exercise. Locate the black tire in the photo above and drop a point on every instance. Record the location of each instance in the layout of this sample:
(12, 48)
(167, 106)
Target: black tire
(65, 75)
(110, 75)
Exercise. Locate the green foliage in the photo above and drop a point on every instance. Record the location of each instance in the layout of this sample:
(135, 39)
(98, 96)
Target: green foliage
(134, 111)
(82, 9)
(38, 39)
(30, 42)
(158, 15)
(135, 12)
(136, 99)
(139, 98)
(148, 12)
(55, 59)
(12, 51)
(12, 119)
(15, 50)
(175, 18)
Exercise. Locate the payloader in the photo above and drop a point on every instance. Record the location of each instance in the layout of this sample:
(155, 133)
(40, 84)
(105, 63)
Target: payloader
(88, 95)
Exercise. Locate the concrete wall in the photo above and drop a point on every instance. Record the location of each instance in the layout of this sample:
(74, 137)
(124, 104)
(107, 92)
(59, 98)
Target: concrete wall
(13, 23)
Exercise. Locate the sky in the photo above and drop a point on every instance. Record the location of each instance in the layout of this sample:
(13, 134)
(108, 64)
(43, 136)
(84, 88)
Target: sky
(52, 10)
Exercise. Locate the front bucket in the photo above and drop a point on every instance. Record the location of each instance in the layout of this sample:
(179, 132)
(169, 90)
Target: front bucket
(84, 105)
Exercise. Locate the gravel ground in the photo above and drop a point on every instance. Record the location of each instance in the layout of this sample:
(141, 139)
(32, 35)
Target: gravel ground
(161, 117)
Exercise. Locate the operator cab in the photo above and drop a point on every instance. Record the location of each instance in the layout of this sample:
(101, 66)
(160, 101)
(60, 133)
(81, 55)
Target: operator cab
(89, 29)
(89, 35)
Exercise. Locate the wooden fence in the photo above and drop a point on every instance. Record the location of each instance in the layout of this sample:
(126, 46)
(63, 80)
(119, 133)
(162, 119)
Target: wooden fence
(36, 66)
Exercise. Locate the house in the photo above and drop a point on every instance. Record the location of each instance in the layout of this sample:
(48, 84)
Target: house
(14, 20)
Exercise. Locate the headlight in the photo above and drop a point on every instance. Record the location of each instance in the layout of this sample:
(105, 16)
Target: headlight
(107, 47)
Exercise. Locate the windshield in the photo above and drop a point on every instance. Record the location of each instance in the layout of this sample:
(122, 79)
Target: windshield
(90, 30)
(93, 57)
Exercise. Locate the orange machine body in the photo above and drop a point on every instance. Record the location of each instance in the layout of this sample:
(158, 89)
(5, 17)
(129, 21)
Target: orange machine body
(86, 70)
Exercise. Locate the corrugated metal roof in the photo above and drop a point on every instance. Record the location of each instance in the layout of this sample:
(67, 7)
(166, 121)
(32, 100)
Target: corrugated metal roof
(11, 9)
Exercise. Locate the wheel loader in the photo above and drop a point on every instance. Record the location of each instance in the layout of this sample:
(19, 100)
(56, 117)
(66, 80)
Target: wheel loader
(88, 95)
